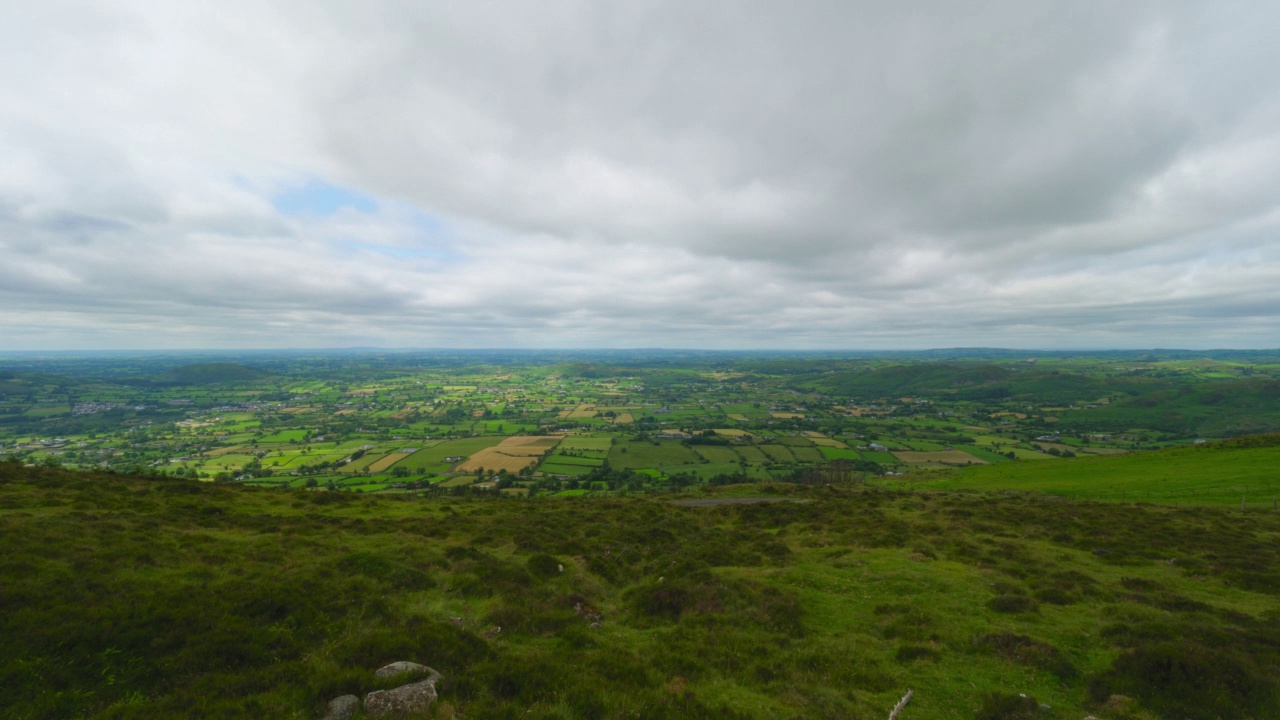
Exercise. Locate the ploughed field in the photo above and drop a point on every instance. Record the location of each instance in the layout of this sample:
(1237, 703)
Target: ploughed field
(149, 597)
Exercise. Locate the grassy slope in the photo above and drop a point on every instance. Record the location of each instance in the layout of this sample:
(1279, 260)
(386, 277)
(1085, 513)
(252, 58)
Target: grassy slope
(129, 597)
(1219, 473)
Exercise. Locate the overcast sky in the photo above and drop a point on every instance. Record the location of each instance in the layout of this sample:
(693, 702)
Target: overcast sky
(765, 174)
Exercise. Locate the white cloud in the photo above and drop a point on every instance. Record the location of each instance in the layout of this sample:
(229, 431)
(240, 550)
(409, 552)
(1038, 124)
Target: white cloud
(565, 173)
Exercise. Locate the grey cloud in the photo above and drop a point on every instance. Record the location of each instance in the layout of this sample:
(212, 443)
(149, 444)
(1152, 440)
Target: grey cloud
(826, 174)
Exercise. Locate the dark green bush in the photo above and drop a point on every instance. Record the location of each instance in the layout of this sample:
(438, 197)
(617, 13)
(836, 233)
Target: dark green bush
(543, 565)
(1190, 680)
(1027, 651)
(1012, 604)
(1002, 706)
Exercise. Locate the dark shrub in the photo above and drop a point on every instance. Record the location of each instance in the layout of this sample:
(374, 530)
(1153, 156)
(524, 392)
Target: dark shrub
(1012, 604)
(543, 565)
(1189, 680)
(907, 653)
(1027, 651)
(661, 601)
(1055, 596)
(999, 706)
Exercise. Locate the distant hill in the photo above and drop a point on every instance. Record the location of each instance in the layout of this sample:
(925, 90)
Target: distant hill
(1211, 409)
(906, 379)
(211, 374)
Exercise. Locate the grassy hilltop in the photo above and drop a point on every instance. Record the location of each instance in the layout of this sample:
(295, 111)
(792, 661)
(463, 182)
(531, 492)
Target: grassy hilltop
(151, 597)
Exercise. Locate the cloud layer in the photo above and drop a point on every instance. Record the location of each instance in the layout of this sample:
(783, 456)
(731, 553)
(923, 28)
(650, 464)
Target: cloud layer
(754, 175)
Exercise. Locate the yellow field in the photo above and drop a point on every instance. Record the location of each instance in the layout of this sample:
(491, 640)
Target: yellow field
(623, 419)
(786, 415)
(545, 441)
(512, 454)
(738, 416)
(495, 459)
(227, 450)
(732, 432)
(949, 457)
(583, 411)
(387, 462)
(828, 442)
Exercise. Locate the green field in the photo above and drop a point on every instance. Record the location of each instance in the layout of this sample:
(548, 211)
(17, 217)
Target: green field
(630, 455)
(579, 442)
(562, 459)
(777, 453)
(831, 453)
(717, 453)
(1209, 474)
(556, 468)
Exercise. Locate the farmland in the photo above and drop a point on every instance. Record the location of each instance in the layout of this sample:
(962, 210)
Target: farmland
(622, 422)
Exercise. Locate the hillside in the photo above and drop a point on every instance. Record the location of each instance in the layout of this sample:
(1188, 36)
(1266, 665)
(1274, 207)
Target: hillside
(1213, 409)
(151, 597)
(1223, 473)
(981, 382)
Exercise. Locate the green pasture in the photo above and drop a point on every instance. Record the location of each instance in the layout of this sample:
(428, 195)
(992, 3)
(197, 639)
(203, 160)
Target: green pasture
(631, 454)
(561, 459)
(810, 454)
(751, 453)
(554, 468)
(830, 453)
(983, 453)
(703, 470)
(1205, 475)
(717, 453)
(777, 453)
(582, 442)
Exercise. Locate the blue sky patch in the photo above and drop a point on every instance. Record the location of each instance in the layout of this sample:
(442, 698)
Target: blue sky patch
(318, 198)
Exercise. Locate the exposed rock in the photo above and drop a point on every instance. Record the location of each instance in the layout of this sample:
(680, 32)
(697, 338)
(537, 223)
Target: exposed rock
(589, 612)
(404, 701)
(404, 668)
(342, 708)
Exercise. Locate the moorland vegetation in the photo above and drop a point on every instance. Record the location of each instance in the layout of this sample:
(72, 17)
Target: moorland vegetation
(130, 596)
